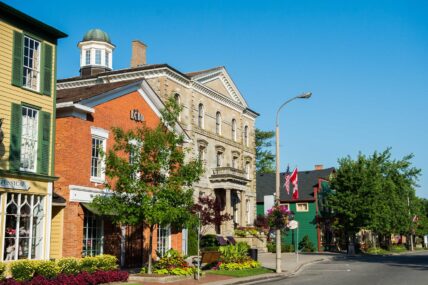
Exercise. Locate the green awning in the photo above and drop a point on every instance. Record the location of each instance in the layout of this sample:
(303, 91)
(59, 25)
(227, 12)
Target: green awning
(91, 209)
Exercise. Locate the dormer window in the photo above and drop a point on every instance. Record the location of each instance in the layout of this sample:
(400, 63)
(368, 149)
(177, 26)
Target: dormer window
(107, 59)
(98, 56)
(88, 57)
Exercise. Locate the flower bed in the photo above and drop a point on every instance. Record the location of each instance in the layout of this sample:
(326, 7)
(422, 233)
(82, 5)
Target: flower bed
(235, 257)
(88, 270)
(247, 231)
(172, 263)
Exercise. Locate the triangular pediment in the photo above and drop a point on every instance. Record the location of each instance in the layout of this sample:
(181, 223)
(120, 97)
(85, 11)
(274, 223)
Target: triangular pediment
(218, 79)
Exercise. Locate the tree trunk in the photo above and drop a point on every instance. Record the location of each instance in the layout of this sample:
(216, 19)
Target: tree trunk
(149, 269)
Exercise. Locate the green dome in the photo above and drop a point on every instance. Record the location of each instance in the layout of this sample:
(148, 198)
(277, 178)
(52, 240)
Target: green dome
(96, 35)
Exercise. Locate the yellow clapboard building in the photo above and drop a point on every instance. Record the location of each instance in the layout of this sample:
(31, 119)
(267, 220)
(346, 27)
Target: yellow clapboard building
(29, 216)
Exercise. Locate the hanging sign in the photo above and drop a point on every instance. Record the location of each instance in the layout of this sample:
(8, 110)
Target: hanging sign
(136, 115)
(14, 184)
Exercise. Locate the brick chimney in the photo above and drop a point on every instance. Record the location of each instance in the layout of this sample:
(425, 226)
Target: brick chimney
(138, 54)
(319, 167)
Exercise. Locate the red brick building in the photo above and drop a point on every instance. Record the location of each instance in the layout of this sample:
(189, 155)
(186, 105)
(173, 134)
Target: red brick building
(85, 117)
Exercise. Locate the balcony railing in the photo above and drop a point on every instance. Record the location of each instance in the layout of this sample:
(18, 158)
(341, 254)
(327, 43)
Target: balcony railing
(229, 172)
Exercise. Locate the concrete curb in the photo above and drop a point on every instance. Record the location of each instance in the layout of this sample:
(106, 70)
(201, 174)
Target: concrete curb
(267, 277)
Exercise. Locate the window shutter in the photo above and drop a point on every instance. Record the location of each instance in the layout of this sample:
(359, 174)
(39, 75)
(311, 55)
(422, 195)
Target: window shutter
(17, 59)
(44, 143)
(15, 138)
(47, 70)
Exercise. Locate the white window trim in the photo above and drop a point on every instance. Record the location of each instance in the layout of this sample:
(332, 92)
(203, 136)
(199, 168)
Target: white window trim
(168, 246)
(101, 134)
(297, 207)
(37, 142)
(38, 67)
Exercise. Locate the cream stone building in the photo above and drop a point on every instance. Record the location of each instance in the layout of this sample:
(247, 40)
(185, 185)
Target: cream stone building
(215, 116)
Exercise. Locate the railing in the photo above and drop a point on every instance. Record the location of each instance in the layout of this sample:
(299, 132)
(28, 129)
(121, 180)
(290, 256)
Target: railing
(229, 171)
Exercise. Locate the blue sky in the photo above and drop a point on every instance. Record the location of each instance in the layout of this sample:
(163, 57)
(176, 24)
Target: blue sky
(366, 63)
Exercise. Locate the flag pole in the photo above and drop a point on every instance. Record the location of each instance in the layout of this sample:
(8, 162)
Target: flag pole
(306, 95)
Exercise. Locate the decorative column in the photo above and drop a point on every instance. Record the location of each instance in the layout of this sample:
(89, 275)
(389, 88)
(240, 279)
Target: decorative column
(243, 209)
(228, 208)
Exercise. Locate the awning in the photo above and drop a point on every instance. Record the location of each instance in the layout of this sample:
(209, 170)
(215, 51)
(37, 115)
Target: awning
(91, 209)
(58, 200)
(95, 211)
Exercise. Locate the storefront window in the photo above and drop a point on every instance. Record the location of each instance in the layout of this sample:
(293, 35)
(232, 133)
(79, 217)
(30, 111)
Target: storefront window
(24, 227)
(92, 234)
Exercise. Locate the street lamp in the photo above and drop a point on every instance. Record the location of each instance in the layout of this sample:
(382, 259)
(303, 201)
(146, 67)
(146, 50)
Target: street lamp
(306, 95)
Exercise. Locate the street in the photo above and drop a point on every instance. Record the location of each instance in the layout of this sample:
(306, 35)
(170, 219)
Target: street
(400, 269)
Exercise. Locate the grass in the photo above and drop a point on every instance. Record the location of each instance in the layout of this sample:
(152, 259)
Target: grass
(242, 273)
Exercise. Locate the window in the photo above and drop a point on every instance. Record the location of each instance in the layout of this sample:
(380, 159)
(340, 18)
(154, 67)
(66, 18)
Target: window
(88, 57)
(97, 56)
(235, 161)
(219, 159)
(201, 116)
(29, 139)
(218, 123)
(23, 237)
(31, 63)
(201, 153)
(164, 239)
(234, 130)
(92, 234)
(246, 135)
(96, 165)
(178, 101)
(107, 59)
(302, 207)
(247, 169)
(286, 205)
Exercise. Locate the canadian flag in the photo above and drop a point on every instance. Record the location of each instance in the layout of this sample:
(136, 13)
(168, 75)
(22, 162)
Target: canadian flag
(294, 181)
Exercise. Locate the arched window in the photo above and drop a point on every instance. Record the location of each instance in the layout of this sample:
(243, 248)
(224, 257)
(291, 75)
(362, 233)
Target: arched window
(247, 169)
(234, 130)
(201, 116)
(246, 135)
(178, 101)
(218, 123)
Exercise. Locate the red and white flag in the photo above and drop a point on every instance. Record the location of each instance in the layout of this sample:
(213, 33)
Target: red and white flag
(287, 180)
(294, 181)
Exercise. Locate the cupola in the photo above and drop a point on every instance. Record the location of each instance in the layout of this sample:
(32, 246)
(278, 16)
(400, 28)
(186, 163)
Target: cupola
(96, 53)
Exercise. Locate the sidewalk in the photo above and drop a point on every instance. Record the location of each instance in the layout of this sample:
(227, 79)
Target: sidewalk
(290, 265)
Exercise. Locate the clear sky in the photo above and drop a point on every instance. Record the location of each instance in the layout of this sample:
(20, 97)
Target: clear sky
(366, 63)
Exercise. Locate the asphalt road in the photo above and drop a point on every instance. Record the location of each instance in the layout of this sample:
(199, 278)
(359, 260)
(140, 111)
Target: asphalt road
(411, 269)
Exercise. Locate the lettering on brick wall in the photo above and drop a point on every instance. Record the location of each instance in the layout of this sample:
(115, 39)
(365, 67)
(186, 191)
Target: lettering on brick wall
(137, 116)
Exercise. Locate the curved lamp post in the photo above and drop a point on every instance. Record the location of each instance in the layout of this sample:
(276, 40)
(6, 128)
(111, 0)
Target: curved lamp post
(306, 95)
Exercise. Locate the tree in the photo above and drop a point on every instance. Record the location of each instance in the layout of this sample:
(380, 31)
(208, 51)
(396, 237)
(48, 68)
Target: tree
(372, 192)
(150, 177)
(210, 212)
(264, 158)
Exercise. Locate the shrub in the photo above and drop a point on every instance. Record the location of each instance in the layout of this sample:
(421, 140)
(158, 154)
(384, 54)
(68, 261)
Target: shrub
(2, 270)
(234, 253)
(106, 262)
(284, 247)
(192, 241)
(83, 278)
(209, 241)
(46, 268)
(172, 263)
(376, 250)
(89, 264)
(397, 248)
(23, 270)
(69, 265)
(306, 245)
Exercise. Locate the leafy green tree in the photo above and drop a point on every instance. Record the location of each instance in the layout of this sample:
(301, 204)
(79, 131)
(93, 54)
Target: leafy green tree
(372, 192)
(264, 157)
(150, 177)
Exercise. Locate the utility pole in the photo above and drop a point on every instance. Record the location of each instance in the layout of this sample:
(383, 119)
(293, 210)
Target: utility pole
(411, 224)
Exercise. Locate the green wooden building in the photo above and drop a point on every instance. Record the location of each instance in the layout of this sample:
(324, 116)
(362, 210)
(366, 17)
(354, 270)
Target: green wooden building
(308, 208)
